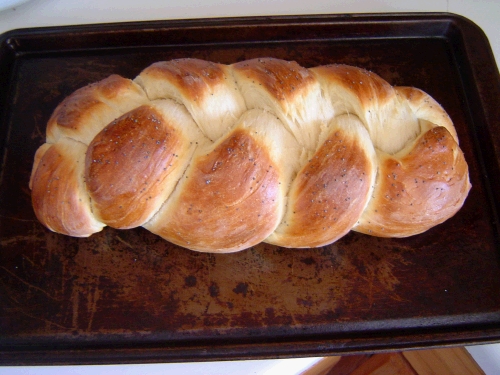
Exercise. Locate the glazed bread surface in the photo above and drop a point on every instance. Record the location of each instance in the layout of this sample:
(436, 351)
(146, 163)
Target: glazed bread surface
(218, 158)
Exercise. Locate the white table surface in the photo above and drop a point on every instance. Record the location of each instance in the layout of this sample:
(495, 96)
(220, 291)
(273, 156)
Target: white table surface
(16, 14)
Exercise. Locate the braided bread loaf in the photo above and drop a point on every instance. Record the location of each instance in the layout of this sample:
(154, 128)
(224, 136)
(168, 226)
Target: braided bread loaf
(218, 158)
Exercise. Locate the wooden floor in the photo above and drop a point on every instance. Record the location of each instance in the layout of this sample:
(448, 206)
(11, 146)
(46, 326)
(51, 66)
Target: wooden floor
(447, 361)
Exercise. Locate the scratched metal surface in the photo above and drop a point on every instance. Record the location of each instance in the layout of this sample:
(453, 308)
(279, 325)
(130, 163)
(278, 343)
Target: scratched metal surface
(130, 289)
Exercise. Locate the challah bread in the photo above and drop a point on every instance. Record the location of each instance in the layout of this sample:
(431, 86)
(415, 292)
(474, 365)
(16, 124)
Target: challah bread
(218, 158)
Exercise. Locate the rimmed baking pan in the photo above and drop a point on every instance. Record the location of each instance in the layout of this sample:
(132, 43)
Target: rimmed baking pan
(128, 296)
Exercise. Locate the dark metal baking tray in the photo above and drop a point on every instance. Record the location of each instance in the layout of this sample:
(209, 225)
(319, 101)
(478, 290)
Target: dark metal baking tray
(128, 296)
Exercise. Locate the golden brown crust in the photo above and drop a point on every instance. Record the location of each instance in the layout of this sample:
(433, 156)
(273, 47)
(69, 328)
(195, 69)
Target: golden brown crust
(72, 117)
(330, 192)
(88, 110)
(226, 201)
(127, 164)
(427, 109)
(59, 196)
(418, 190)
(218, 158)
(191, 77)
(368, 88)
(206, 89)
(288, 91)
(386, 115)
(38, 157)
(284, 80)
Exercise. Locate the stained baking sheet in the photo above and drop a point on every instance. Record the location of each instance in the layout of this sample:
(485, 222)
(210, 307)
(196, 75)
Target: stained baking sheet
(128, 296)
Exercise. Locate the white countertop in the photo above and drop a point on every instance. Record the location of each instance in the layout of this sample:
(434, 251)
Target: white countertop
(16, 14)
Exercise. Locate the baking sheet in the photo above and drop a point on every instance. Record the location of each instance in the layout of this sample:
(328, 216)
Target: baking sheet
(128, 296)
